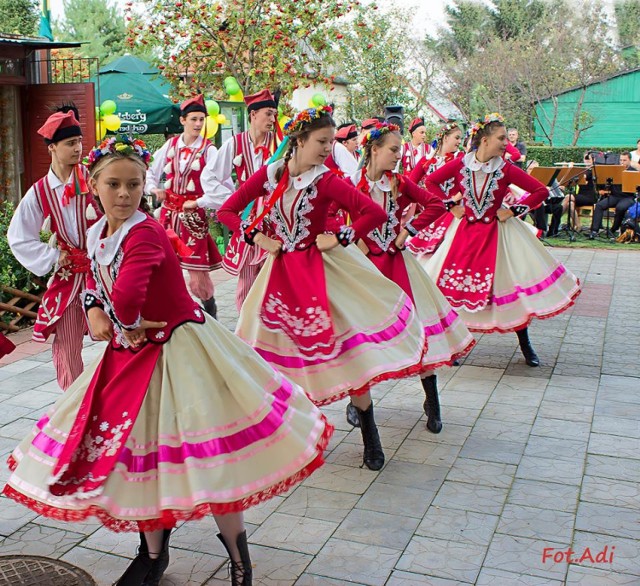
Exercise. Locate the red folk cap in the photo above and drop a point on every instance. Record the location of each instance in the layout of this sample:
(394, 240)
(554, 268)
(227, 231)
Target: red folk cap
(263, 99)
(346, 133)
(193, 105)
(415, 124)
(59, 126)
(369, 123)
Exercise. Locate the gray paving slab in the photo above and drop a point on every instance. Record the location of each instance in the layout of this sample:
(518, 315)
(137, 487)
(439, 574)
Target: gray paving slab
(529, 461)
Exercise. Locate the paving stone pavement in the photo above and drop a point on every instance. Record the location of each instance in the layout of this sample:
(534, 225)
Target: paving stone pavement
(530, 463)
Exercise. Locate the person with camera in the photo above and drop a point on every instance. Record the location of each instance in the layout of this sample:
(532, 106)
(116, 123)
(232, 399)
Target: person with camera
(616, 198)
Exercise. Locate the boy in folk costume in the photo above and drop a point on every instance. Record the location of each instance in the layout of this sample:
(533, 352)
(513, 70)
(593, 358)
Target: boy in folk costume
(343, 160)
(59, 202)
(182, 159)
(244, 153)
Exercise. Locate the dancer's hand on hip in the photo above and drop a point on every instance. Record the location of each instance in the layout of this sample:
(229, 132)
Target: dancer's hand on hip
(269, 244)
(100, 324)
(326, 242)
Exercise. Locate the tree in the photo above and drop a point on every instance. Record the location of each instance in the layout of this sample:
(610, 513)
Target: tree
(470, 27)
(19, 17)
(627, 15)
(513, 19)
(260, 43)
(95, 22)
(370, 56)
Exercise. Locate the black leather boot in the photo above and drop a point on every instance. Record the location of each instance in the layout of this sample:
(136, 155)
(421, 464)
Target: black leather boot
(352, 415)
(431, 404)
(530, 356)
(210, 307)
(241, 572)
(139, 568)
(373, 456)
(159, 564)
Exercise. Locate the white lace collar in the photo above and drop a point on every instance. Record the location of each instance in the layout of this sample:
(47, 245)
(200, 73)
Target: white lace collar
(104, 249)
(382, 184)
(490, 166)
(301, 181)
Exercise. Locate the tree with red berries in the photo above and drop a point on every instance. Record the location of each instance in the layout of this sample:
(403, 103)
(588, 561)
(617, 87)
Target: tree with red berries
(261, 43)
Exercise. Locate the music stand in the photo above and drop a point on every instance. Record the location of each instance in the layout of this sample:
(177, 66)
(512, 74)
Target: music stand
(612, 175)
(630, 181)
(549, 176)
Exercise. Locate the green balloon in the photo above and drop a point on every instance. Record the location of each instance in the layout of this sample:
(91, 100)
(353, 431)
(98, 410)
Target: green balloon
(232, 88)
(319, 100)
(108, 107)
(229, 79)
(213, 108)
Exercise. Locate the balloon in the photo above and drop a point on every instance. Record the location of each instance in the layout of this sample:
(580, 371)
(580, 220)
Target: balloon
(213, 108)
(239, 97)
(221, 119)
(111, 122)
(108, 107)
(101, 130)
(319, 100)
(229, 79)
(310, 104)
(232, 89)
(210, 127)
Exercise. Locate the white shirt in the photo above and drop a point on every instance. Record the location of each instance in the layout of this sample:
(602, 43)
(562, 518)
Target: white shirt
(154, 173)
(347, 163)
(216, 175)
(24, 230)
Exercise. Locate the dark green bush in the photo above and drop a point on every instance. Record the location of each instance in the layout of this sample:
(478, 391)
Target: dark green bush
(548, 156)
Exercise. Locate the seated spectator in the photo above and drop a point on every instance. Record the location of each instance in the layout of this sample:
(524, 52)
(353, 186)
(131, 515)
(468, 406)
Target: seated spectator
(616, 198)
(512, 135)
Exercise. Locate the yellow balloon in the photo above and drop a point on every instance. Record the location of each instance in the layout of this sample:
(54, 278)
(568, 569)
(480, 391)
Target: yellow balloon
(221, 119)
(310, 103)
(112, 122)
(101, 130)
(210, 127)
(283, 120)
(239, 97)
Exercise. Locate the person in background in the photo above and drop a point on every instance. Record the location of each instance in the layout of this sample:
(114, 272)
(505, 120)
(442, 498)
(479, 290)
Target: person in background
(635, 155)
(417, 148)
(615, 199)
(512, 135)
(245, 153)
(61, 202)
(181, 160)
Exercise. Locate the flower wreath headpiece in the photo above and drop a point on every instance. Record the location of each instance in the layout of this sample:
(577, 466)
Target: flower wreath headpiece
(380, 129)
(121, 144)
(488, 119)
(445, 129)
(305, 117)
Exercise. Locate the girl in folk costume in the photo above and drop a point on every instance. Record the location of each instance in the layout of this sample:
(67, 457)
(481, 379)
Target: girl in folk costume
(143, 440)
(319, 311)
(446, 337)
(446, 146)
(490, 266)
(61, 203)
(343, 160)
(181, 160)
(244, 154)
(417, 148)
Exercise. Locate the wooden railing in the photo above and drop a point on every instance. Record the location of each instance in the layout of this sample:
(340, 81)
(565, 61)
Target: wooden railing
(24, 306)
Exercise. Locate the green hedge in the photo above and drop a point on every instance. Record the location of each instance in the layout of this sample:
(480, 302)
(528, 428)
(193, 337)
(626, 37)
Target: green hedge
(548, 156)
(12, 273)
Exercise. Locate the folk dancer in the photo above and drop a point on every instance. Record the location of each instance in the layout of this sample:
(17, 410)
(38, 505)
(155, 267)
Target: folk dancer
(244, 154)
(179, 419)
(181, 161)
(491, 268)
(446, 336)
(319, 311)
(61, 203)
